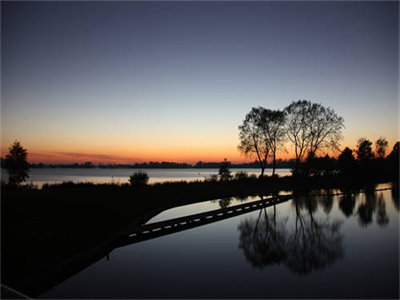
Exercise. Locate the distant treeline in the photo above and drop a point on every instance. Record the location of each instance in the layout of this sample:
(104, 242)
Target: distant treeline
(159, 165)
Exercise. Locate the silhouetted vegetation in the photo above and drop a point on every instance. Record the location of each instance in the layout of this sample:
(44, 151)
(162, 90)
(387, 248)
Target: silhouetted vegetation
(224, 172)
(381, 146)
(393, 159)
(241, 175)
(346, 162)
(311, 127)
(364, 150)
(139, 178)
(272, 124)
(368, 167)
(253, 139)
(16, 164)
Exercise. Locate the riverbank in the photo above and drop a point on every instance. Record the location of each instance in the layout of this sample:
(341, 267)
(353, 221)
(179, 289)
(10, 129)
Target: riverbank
(49, 234)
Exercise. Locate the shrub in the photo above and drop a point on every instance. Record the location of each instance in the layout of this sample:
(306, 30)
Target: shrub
(139, 178)
(241, 175)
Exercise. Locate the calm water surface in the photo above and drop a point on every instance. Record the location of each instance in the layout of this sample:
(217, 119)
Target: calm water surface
(319, 246)
(98, 175)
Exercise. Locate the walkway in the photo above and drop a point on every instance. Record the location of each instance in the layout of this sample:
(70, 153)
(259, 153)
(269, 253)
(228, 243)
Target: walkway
(154, 230)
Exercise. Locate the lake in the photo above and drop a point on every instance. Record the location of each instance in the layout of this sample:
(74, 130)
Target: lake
(324, 245)
(99, 175)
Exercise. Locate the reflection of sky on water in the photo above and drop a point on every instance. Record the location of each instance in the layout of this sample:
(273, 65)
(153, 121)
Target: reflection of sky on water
(209, 262)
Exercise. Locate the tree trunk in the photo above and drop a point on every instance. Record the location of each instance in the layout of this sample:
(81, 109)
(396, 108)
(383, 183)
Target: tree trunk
(296, 166)
(273, 165)
(262, 171)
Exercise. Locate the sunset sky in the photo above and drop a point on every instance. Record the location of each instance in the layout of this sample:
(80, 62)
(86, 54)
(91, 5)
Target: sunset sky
(137, 81)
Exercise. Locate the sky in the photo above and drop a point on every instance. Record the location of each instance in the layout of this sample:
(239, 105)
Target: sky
(171, 81)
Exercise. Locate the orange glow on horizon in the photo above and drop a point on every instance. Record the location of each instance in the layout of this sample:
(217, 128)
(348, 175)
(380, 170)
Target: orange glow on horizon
(109, 153)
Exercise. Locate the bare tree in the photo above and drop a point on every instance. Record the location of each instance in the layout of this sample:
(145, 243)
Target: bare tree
(312, 127)
(272, 124)
(325, 129)
(253, 143)
(297, 128)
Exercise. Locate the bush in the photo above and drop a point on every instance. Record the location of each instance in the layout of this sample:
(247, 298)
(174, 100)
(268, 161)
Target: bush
(139, 178)
(241, 175)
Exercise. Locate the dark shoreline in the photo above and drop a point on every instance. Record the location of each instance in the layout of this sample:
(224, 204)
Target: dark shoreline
(67, 227)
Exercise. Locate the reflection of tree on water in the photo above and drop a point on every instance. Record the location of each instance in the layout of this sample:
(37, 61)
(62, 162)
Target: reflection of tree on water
(303, 245)
(381, 216)
(325, 198)
(371, 203)
(314, 244)
(395, 196)
(261, 241)
(223, 202)
(366, 209)
(241, 198)
(347, 203)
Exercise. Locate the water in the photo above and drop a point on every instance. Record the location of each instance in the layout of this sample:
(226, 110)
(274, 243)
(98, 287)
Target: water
(319, 246)
(97, 175)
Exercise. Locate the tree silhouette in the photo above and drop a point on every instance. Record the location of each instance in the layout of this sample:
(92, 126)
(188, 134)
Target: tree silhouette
(394, 155)
(311, 127)
(381, 146)
(224, 172)
(325, 128)
(252, 139)
(318, 165)
(393, 159)
(16, 164)
(272, 124)
(346, 162)
(297, 127)
(364, 150)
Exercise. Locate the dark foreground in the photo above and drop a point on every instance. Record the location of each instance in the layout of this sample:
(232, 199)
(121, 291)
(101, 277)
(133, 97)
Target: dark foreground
(48, 235)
